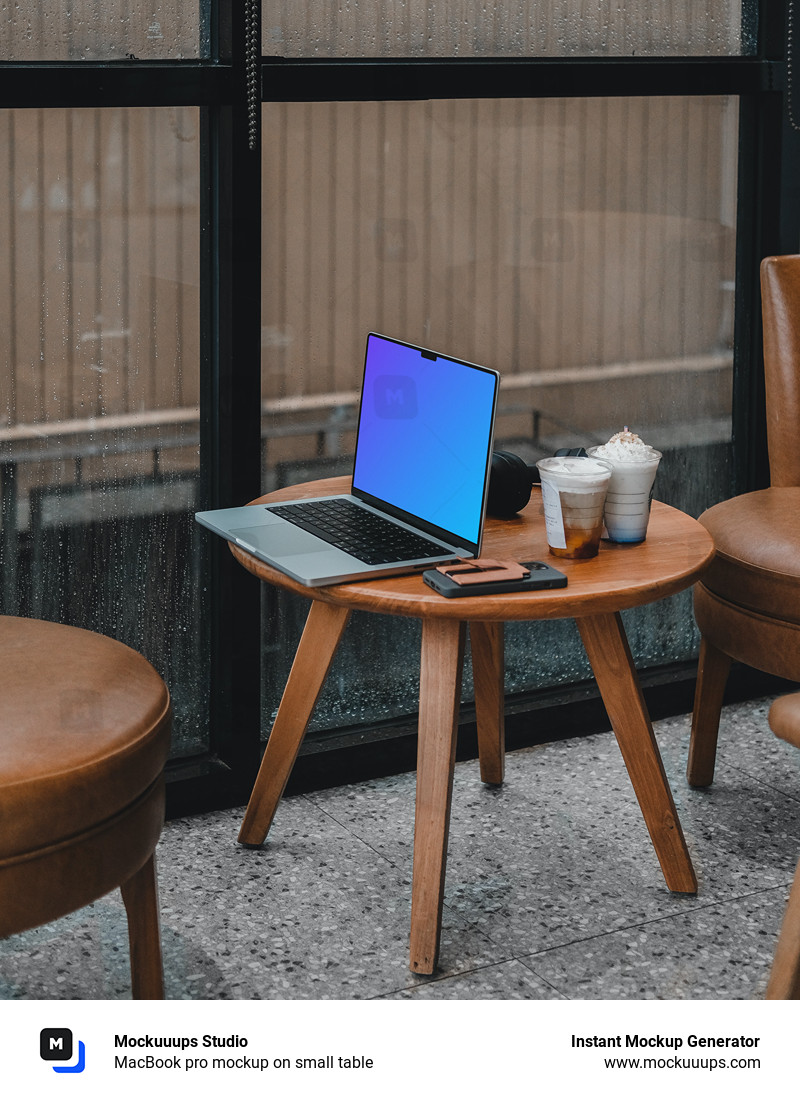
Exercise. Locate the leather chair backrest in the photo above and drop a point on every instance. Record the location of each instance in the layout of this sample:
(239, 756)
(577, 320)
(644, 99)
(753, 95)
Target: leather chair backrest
(780, 303)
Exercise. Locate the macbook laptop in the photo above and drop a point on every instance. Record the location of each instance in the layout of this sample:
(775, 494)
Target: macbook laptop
(420, 477)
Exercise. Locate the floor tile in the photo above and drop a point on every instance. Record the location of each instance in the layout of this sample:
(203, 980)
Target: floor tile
(561, 850)
(722, 951)
(746, 743)
(553, 888)
(315, 913)
(506, 981)
(83, 956)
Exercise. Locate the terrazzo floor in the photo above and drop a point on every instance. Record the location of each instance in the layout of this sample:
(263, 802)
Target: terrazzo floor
(553, 888)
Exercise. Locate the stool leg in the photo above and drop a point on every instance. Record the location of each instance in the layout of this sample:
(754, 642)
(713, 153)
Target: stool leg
(487, 670)
(439, 697)
(712, 675)
(784, 979)
(607, 648)
(140, 894)
(321, 635)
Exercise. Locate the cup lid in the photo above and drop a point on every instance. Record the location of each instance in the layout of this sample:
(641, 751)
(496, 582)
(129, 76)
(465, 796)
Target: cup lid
(575, 466)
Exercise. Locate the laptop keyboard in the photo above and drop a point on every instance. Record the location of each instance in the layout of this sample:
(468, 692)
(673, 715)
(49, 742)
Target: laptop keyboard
(368, 537)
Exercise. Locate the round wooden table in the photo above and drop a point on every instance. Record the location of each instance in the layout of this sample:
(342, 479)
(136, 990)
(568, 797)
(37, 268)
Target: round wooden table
(676, 552)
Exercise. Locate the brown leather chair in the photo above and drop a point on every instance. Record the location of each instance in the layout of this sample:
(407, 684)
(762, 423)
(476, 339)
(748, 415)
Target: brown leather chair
(747, 604)
(84, 736)
(784, 979)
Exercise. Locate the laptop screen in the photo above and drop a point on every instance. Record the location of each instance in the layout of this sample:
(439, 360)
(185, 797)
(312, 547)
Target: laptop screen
(425, 436)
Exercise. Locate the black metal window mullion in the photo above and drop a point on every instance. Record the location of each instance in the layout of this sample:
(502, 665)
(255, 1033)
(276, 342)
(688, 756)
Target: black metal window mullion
(355, 79)
(231, 407)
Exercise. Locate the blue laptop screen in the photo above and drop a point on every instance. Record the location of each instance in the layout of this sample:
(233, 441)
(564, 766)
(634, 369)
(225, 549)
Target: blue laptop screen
(425, 435)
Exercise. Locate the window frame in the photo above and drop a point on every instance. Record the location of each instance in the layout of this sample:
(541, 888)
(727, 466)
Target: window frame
(233, 83)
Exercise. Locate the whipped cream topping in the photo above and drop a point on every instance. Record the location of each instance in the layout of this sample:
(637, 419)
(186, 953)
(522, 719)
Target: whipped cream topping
(626, 446)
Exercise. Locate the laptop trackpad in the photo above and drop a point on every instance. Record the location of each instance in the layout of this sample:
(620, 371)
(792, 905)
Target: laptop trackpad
(280, 539)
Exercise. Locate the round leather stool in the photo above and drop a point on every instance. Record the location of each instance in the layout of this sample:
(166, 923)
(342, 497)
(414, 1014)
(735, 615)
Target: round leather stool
(747, 605)
(84, 736)
(756, 568)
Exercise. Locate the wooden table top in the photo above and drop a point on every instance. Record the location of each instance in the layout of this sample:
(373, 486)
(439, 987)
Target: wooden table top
(675, 553)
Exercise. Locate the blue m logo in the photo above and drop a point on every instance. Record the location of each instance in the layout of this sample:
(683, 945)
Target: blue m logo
(55, 1045)
(395, 397)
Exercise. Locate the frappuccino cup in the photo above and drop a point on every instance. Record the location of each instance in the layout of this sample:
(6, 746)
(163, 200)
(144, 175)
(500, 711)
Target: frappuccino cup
(573, 495)
(634, 465)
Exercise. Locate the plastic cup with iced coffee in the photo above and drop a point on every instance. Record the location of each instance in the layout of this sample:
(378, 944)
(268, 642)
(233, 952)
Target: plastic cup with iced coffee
(634, 467)
(573, 495)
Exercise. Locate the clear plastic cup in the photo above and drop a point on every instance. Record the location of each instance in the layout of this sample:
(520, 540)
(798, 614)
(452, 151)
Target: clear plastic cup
(627, 508)
(573, 496)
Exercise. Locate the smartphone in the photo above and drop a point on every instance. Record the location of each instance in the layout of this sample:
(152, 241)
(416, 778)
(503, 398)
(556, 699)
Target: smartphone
(542, 575)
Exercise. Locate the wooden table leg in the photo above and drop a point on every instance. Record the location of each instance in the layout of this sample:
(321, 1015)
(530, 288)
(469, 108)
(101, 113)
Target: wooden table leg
(439, 698)
(318, 643)
(486, 640)
(607, 647)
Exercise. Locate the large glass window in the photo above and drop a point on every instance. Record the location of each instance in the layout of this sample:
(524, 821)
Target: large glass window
(583, 247)
(99, 390)
(549, 189)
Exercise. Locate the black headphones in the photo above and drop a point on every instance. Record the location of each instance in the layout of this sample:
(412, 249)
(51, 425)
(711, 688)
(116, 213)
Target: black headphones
(509, 485)
(511, 481)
